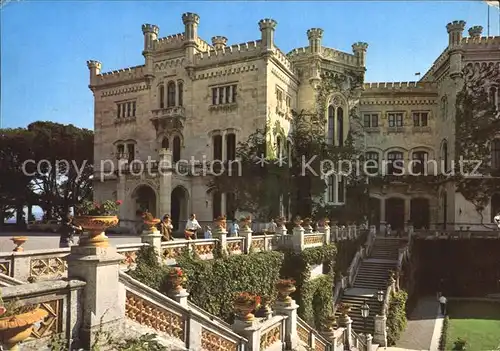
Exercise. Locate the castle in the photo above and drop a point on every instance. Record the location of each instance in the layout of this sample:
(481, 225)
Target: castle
(195, 100)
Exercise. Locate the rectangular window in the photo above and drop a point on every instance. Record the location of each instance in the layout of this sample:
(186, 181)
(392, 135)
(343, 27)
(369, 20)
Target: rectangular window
(217, 144)
(495, 154)
(341, 190)
(234, 93)
(288, 102)
(129, 109)
(279, 98)
(119, 110)
(370, 120)
(228, 94)
(126, 109)
(120, 151)
(420, 119)
(133, 108)
(221, 96)
(131, 152)
(331, 188)
(395, 119)
(214, 96)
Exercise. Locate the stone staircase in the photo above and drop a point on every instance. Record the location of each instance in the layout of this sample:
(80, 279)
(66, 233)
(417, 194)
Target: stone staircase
(372, 276)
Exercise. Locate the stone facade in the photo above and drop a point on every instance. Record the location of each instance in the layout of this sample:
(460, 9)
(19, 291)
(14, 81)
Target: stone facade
(194, 101)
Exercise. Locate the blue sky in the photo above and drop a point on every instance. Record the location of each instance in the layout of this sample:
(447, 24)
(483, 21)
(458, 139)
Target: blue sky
(44, 45)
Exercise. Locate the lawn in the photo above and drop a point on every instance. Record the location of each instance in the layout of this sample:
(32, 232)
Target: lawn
(476, 322)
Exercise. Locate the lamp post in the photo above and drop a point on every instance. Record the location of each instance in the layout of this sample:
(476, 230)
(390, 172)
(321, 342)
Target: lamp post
(380, 298)
(365, 312)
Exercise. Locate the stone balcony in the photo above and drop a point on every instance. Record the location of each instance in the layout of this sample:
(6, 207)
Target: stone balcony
(168, 118)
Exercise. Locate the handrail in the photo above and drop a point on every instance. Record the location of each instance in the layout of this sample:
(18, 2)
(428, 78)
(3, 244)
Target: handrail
(5, 281)
(313, 331)
(212, 317)
(359, 340)
(195, 313)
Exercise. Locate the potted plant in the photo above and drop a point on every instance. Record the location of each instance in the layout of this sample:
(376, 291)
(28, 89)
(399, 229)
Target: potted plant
(307, 222)
(220, 222)
(297, 221)
(324, 222)
(244, 304)
(285, 288)
(330, 323)
(17, 321)
(344, 308)
(19, 241)
(95, 218)
(245, 222)
(264, 310)
(150, 221)
(176, 277)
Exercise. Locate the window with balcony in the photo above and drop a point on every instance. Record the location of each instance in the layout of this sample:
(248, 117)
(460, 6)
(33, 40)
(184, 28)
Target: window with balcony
(420, 119)
(370, 120)
(217, 147)
(161, 96)
(419, 159)
(224, 94)
(495, 154)
(231, 146)
(171, 94)
(395, 163)
(176, 152)
(126, 109)
(372, 163)
(180, 88)
(395, 119)
(331, 124)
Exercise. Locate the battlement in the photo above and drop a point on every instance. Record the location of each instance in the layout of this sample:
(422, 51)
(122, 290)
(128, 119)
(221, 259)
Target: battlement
(229, 52)
(283, 59)
(455, 26)
(121, 75)
(315, 33)
(336, 55)
(170, 41)
(267, 23)
(399, 85)
(150, 28)
(483, 41)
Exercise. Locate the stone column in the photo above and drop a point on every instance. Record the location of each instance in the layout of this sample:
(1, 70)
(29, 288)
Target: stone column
(221, 234)
(103, 302)
(153, 239)
(407, 211)
(298, 238)
(368, 341)
(224, 147)
(289, 309)
(281, 230)
(246, 232)
(180, 296)
(165, 182)
(249, 330)
(346, 322)
(223, 204)
(380, 336)
(382, 211)
(335, 232)
(383, 228)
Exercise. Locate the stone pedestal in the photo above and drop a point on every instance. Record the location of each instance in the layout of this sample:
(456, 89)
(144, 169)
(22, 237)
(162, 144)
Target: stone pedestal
(298, 239)
(250, 331)
(281, 230)
(289, 309)
(346, 322)
(368, 341)
(221, 235)
(153, 238)
(247, 234)
(325, 230)
(103, 302)
(180, 296)
(380, 336)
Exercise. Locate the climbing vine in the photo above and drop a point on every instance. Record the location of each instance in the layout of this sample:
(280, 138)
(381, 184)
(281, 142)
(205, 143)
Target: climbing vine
(396, 317)
(476, 125)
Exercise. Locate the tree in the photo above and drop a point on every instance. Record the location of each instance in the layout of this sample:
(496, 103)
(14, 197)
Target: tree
(64, 154)
(476, 126)
(294, 174)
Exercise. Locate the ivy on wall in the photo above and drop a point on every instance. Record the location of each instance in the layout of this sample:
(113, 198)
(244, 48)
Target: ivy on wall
(346, 251)
(396, 317)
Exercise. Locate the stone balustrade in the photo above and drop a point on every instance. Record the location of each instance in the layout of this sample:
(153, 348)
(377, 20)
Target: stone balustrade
(456, 234)
(329, 341)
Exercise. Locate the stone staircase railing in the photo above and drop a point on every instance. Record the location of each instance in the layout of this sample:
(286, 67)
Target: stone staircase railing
(314, 340)
(457, 234)
(5, 280)
(359, 341)
(177, 321)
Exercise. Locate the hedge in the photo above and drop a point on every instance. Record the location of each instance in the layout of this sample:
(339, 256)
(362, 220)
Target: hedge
(396, 317)
(444, 334)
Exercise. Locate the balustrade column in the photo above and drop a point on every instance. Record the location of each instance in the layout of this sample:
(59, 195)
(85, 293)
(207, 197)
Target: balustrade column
(289, 308)
(246, 232)
(335, 232)
(368, 342)
(298, 239)
(346, 322)
(380, 336)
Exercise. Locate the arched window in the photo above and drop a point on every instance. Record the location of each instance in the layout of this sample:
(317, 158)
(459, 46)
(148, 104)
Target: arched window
(180, 87)
(217, 145)
(444, 107)
(444, 156)
(372, 163)
(165, 143)
(176, 154)
(231, 146)
(419, 161)
(216, 204)
(171, 94)
(495, 154)
(331, 125)
(395, 163)
(494, 96)
(340, 125)
(279, 151)
(495, 206)
(161, 96)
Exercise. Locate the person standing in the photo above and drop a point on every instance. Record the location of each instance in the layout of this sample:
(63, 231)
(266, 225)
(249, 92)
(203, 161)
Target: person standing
(192, 227)
(235, 228)
(272, 227)
(166, 228)
(67, 232)
(442, 302)
(208, 232)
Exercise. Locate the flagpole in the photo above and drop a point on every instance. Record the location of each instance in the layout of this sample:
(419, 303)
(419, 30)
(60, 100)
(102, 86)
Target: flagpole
(488, 20)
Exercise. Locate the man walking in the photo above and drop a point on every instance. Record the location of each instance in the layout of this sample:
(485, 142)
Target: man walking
(442, 302)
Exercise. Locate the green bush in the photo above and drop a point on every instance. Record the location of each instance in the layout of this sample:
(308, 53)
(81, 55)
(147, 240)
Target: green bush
(396, 317)
(444, 334)
(148, 270)
(314, 297)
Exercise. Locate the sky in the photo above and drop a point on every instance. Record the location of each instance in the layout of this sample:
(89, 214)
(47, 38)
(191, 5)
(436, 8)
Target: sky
(45, 45)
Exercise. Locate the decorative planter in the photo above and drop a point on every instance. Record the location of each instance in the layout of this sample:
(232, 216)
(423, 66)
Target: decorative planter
(17, 328)
(284, 292)
(325, 222)
(264, 309)
(243, 310)
(220, 223)
(307, 222)
(245, 223)
(298, 222)
(330, 323)
(344, 310)
(95, 226)
(152, 224)
(19, 241)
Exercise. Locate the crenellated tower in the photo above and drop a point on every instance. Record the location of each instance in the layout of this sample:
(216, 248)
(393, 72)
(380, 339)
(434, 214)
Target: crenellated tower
(267, 27)
(315, 35)
(359, 50)
(94, 69)
(219, 42)
(150, 32)
(455, 33)
(191, 22)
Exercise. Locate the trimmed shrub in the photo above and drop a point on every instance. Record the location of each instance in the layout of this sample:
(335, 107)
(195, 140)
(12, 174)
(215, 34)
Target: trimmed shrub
(396, 317)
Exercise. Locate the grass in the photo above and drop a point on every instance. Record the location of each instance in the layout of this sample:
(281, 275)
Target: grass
(476, 322)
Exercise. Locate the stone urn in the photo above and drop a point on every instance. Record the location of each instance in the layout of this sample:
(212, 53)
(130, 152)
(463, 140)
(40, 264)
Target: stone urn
(297, 222)
(244, 304)
(330, 323)
(285, 288)
(95, 227)
(307, 222)
(245, 223)
(280, 222)
(17, 328)
(176, 278)
(264, 310)
(324, 222)
(344, 309)
(220, 223)
(151, 224)
(19, 241)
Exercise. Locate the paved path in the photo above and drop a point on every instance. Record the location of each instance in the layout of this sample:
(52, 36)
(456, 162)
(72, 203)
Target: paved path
(41, 241)
(423, 331)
